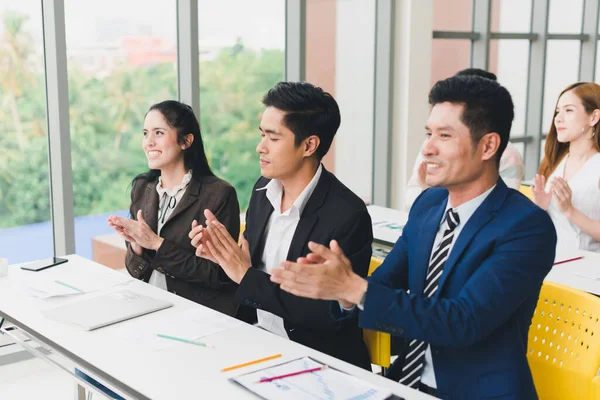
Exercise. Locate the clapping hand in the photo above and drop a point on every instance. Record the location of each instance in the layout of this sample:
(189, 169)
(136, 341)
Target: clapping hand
(563, 194)
(323, 274)
(540, 196)
(137, 233)
(214, 243)
(199, 235)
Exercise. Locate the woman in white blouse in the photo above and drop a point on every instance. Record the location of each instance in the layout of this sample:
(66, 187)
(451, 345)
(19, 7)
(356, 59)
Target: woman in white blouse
(568, 182)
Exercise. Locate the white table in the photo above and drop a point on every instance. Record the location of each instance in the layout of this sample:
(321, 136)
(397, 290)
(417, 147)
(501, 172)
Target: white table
(570, 273)
(387, 224)
(180, 372)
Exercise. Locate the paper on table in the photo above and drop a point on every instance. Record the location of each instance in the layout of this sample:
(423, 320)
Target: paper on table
(328, 383)
(89, 280)
(42, 287)
(191, 324)
(44, 284)
(595, 275)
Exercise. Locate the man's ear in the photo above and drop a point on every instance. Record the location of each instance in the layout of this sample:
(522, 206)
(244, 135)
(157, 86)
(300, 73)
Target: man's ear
(490, 143)
(187, 141)
(311, 144)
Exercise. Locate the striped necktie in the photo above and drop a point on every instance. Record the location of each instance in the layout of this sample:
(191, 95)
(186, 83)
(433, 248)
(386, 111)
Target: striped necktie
(415, 357)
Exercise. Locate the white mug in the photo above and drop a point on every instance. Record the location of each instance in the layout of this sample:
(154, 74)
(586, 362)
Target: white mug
(3, 267)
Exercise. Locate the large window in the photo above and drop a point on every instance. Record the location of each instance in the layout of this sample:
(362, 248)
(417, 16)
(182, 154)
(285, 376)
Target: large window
(451, 47)
(512, 74)
(25, 227)
(559, 74)
(448, 56)
(536, 49)
(122, 58)
(241, 58)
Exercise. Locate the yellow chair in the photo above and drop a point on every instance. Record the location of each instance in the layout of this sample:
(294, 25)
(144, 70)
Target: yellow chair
(526, 190)
(242, 229)
(564, 344)
(378, 343)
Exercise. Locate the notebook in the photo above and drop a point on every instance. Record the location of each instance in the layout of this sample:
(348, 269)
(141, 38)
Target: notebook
(328, 383)
(105, 310)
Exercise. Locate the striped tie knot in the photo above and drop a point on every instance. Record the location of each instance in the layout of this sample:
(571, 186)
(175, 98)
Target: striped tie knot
(452, 219)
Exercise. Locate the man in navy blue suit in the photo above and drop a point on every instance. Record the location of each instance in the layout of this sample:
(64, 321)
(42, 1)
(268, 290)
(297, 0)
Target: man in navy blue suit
(462, 282)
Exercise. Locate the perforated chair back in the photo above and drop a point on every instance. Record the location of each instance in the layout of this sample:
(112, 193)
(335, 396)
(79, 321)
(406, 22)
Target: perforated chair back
(378, 343)
(564, 344)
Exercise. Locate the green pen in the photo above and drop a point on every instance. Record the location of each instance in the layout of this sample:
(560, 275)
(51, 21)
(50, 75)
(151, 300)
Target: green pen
(185, 340)
(69, 286)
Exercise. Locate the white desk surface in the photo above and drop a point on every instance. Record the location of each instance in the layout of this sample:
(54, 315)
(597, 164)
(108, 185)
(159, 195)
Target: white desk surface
(569, 273)
(387, 224)
(180, 371)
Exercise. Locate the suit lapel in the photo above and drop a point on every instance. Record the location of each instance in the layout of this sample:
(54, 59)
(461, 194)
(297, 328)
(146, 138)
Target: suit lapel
(424, 247)
(484, 214)
(309, 216)
(300, 239)
(189, 197)
(150, 208)
(264, 211)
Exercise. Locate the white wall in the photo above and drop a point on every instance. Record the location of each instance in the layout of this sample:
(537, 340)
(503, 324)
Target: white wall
(354, 79)
(412, 78)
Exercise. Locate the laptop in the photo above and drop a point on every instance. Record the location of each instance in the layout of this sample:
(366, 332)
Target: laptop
(106, 309)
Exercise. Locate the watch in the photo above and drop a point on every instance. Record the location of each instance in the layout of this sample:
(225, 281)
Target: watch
(361, 302)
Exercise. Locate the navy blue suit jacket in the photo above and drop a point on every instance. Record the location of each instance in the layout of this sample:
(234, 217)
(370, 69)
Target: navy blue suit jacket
(477, 321)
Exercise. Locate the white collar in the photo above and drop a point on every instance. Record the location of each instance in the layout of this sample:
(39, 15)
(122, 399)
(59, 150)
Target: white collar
(466, 210)
(275, 191)
(184, 182)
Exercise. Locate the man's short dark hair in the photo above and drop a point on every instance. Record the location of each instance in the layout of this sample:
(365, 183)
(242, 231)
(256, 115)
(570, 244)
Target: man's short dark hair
(477, 72)
(488, 107)
(309, 110)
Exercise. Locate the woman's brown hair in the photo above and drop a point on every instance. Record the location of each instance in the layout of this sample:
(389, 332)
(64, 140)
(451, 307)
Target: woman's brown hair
(589, 94)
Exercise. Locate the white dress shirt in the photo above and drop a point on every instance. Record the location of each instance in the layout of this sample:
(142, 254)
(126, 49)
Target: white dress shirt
(167, 201)
(465, 211)
(279, 233)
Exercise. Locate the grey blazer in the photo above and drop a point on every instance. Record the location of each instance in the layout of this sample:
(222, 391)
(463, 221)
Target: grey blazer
(189, 276)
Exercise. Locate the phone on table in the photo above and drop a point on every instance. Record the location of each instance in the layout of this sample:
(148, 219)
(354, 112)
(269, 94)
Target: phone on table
(43, 264)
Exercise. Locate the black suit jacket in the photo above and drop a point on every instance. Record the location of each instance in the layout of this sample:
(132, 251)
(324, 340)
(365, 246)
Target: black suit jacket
(332, 212)
(189, 276)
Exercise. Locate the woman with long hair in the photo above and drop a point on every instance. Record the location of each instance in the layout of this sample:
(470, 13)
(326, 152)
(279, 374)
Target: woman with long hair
(164, 203)
(568, 182)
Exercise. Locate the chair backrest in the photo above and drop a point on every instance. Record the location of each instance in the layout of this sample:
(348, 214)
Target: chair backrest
(564, 343)
(527, 191)
(378, 343)
(242, 229)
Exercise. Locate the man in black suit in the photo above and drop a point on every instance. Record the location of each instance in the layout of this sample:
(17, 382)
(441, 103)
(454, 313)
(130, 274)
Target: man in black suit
(295, 201)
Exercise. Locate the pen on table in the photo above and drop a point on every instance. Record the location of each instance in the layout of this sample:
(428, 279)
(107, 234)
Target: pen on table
(570, 259)
(69, 286)
(322, 367)
(251, 362)
(185, 340)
